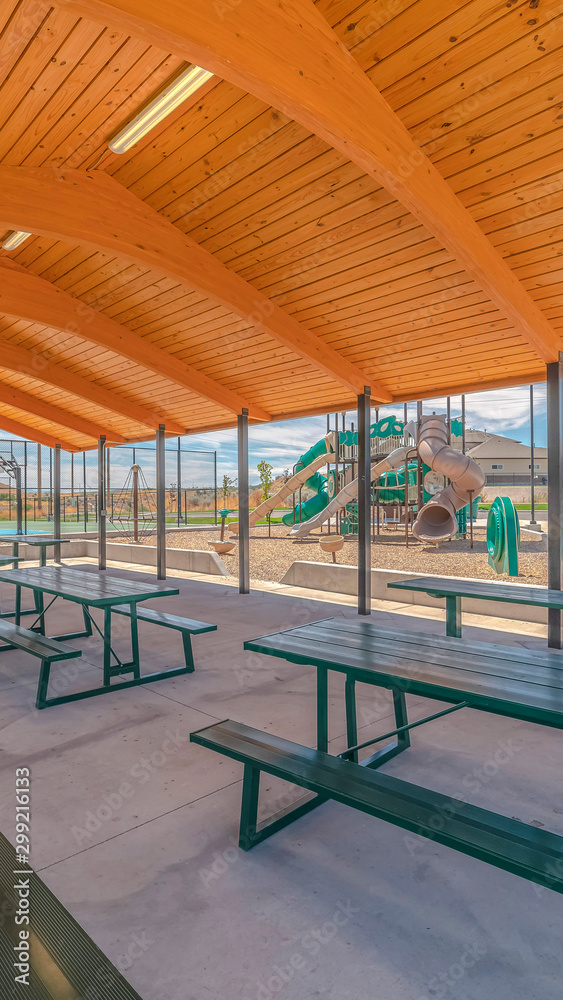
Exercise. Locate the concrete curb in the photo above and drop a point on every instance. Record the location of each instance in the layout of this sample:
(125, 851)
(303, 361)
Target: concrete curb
(189, 560)
(341, 579)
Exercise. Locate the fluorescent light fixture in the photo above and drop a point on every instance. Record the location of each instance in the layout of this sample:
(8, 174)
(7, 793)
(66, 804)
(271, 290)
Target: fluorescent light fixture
(13, 240)
(189, 81)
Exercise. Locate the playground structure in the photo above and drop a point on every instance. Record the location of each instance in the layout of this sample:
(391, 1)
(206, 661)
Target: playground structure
(414, 462)
(134, 507)
(503, 536)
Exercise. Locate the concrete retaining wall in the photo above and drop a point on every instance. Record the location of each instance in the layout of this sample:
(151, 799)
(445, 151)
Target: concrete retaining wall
(340, 579)
(189, 560)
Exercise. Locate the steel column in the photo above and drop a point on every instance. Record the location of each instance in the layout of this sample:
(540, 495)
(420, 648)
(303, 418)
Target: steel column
(39, 486)
(244, 527)
(364, 503)
(463, 424)
(215, 481)
(419, 490)
(56, 503)
(101, 502)
(179, 484)
(160, 504)
(554, 492)
(532, 457)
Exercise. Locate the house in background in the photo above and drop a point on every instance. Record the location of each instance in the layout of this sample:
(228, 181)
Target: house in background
(501, 458)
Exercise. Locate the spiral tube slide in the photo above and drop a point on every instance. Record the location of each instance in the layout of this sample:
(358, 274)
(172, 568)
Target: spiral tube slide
(350, 492)
(306, 474)
(436, 521)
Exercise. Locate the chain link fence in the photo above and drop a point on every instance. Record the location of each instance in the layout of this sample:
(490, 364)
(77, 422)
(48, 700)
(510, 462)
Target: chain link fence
(190, 483)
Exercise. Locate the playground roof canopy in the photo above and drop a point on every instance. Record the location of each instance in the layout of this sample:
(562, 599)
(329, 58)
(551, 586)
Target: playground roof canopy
(364, 193)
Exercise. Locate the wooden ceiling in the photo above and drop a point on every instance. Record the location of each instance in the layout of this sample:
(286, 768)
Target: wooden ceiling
(364, 194)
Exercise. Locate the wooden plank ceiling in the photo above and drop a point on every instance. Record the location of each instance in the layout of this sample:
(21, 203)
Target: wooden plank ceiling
(275, 272)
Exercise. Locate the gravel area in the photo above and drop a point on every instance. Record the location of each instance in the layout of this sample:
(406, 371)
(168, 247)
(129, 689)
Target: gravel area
(271, 557)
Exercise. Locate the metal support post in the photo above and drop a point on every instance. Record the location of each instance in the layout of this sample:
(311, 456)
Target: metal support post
(532, 457)
(101, 501)
(160, 504)
(463, 424)
(554, 492)
(179, 484)
(244, 527)
(418, 467)
(56, 503)
(364, 503)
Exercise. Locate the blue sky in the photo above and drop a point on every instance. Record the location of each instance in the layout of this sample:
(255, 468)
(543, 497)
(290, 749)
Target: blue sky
(503, 411)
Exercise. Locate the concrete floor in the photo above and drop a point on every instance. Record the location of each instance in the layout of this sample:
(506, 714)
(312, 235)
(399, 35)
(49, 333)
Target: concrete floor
(135, 829)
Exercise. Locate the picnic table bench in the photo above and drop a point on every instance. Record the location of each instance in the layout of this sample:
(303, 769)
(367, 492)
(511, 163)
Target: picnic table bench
(108, 594)
(508, 681)
(37, 541)
(454, 590)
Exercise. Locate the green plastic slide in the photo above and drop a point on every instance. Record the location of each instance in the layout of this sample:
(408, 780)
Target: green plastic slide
(303, 511)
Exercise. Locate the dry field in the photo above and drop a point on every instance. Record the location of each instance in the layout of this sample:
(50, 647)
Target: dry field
(271, 557)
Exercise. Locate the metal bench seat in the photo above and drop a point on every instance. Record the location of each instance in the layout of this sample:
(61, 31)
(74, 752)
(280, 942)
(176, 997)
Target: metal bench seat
(517, 847)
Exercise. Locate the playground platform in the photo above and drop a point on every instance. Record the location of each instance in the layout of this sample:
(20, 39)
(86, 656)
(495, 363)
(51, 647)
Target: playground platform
(135, 828)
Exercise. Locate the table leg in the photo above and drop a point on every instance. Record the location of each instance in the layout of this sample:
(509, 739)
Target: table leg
(322, 709)
(453, 616)
(40, 605)
(135, 641)
(401, 718)
(43, 556)
(351, 721)
(107, 646)
(18, 610)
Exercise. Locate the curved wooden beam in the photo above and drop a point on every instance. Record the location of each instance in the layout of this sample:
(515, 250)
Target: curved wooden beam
(29, 432)
(41, 408)
(92, 209)
(37, 366)
(28, 296)
(286, 54)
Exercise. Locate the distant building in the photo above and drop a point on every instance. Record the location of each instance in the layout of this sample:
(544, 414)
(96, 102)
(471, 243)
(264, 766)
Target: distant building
(501, 456)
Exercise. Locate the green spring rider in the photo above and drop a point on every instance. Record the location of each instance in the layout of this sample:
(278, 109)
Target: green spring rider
(503, 536)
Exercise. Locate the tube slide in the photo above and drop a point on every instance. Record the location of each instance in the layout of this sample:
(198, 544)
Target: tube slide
(306, 475)
(436, 521)
(350, 492)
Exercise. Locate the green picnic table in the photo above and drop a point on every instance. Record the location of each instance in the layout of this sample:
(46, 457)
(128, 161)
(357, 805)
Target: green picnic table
(40, 542)
(508, 681)
(454, 590)
(92, 590)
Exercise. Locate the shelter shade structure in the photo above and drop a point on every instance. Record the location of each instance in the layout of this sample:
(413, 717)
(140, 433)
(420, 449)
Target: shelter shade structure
(266, 246)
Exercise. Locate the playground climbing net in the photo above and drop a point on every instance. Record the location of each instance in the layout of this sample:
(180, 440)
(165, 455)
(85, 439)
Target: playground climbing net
(134, 507)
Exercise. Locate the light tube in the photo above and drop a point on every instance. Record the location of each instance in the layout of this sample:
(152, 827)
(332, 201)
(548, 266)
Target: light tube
(189, 81)
(13, 240)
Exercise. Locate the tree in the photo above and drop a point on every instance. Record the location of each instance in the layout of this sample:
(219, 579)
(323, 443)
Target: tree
(227, 486)
(266, 478)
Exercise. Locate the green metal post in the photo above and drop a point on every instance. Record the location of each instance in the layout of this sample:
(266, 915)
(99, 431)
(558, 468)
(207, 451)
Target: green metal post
(322, 709)
(453, 616)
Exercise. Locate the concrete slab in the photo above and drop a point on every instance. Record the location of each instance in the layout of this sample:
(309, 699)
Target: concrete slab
(135, 829)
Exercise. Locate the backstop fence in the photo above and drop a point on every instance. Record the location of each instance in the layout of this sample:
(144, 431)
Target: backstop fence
(190, 484)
